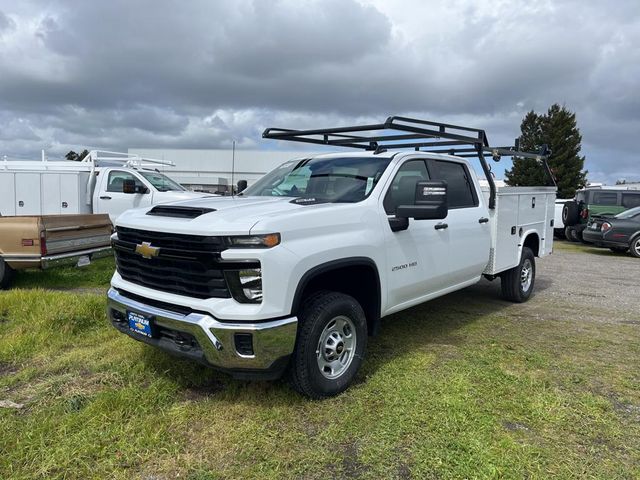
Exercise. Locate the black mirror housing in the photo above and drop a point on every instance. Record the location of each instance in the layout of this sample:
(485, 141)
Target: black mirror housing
(129, 186)
(431, 202)
(242, 185)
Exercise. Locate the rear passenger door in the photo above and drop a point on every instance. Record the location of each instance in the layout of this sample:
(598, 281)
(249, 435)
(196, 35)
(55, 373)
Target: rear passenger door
(468, 232)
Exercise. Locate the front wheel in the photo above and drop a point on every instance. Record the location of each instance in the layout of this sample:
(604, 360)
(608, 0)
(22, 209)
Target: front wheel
(331, 343)
(517, 283)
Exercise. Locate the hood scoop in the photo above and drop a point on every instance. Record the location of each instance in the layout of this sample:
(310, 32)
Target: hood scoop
(178, 211)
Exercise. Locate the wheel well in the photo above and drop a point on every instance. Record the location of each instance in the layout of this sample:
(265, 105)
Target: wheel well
(358, 279)
(533, 242)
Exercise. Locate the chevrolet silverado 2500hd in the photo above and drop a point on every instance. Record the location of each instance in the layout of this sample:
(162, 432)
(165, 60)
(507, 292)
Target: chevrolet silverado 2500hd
(294, 273)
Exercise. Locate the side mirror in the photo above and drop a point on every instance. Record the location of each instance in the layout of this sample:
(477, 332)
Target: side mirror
(129, 186)
(242, 185)
(430, 202)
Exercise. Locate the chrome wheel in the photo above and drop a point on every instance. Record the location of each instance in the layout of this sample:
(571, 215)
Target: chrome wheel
(336, 347)
(636, 247)
(526, 275)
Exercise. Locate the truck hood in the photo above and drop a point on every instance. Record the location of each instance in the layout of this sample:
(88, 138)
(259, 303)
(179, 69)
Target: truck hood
(229, 216)
(175, 196)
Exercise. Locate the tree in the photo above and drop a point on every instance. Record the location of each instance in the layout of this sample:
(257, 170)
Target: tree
(75, 156)
(557, 129)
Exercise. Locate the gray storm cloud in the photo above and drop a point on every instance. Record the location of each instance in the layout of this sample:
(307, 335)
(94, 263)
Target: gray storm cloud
(197, 74)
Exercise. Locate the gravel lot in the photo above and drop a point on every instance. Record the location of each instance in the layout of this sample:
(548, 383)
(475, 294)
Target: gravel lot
(577, 282)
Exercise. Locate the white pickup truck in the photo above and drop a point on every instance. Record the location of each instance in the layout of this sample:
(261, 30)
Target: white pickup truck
(294, 273)
(102, 183)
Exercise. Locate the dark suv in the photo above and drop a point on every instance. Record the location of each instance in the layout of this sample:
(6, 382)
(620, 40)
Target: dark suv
(577, 213)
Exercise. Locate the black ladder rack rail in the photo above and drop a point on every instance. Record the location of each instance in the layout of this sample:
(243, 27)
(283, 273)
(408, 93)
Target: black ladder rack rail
(411, 133)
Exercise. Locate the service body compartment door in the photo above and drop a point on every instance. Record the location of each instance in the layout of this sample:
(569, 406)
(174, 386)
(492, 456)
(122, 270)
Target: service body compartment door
(70, 197)
(28, 194)
(50, 193)
(504, 248)
(8, 195)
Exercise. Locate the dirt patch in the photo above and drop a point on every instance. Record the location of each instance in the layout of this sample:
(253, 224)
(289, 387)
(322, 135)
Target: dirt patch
(199, 392)
(7, 369)
(351, 465)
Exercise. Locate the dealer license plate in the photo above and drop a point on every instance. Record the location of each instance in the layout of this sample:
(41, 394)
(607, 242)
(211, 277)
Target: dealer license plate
(139, 323)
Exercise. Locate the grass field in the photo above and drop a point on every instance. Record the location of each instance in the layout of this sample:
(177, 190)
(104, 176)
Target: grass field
(466, 386)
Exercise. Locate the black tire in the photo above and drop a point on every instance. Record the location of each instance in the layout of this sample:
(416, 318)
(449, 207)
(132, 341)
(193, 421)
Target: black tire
(634, 246)
(318, 313)
(6, 275)
(571, 213)
(568, 233)
(559, 233)
(618, 249)
(514, 287)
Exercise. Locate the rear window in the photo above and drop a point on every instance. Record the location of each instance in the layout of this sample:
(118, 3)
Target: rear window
(630, 200)
(605, 198)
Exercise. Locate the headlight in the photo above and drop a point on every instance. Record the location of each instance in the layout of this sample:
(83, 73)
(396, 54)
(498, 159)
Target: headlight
(245, 285)
(254, 241)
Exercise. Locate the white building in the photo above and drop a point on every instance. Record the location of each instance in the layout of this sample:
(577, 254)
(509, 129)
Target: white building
(211, 170)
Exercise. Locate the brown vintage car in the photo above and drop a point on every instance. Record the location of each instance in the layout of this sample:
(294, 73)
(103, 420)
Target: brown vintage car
(50, 240)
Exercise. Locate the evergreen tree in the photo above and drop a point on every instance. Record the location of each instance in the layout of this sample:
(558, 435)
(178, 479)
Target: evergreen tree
(558, 129)
(71, 155)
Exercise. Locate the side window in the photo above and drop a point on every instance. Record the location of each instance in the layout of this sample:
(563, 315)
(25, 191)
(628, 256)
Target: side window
(459, 188)
(630, 200)
(605, 198)
(402, 190)
(117, 178)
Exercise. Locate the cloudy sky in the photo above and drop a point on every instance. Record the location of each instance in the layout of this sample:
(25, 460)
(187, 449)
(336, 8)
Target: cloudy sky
(200, 74)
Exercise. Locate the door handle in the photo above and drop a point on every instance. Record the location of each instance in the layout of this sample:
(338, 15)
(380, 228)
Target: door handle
(441, 226)
(483, 220)
(105, 198)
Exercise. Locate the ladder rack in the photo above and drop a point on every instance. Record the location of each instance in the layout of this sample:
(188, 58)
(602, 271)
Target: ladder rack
(398, 132)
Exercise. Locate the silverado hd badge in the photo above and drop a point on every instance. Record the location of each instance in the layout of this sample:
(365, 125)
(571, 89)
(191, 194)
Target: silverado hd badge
(147, 250)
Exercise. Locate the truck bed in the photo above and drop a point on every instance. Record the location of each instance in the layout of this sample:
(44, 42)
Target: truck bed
(519, 211)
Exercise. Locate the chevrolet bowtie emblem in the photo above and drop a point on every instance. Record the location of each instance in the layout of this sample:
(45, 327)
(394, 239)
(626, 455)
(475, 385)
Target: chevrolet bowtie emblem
(146, 250)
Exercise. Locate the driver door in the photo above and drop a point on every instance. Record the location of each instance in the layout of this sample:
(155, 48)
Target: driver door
(417, 258)
(114, 201)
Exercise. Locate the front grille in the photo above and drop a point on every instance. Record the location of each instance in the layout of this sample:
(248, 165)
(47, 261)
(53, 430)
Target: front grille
(187, 265)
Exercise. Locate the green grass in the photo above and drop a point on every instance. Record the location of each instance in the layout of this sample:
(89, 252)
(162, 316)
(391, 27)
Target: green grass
(462, 387)
(95, 275)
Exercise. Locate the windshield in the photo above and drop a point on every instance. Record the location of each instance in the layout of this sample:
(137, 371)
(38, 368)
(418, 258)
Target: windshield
(349, 179)
(162, 183)
(632, 212)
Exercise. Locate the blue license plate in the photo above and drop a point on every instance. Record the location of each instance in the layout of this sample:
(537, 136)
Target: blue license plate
(139, 323)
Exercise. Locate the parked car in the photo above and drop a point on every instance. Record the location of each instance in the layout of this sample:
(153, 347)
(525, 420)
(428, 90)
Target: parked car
(620, 232)
(51, 240)
(606, 200)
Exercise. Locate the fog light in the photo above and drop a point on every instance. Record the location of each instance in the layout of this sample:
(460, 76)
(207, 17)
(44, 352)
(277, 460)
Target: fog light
(245, 285)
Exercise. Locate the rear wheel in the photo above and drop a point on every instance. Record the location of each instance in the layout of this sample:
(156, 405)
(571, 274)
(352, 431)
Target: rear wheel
(634, 247)
(517, 283)
(6, 275)
(331, 343)
(568, 233)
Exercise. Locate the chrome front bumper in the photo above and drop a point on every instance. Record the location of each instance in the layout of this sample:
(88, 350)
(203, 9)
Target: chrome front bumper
(272, 341)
